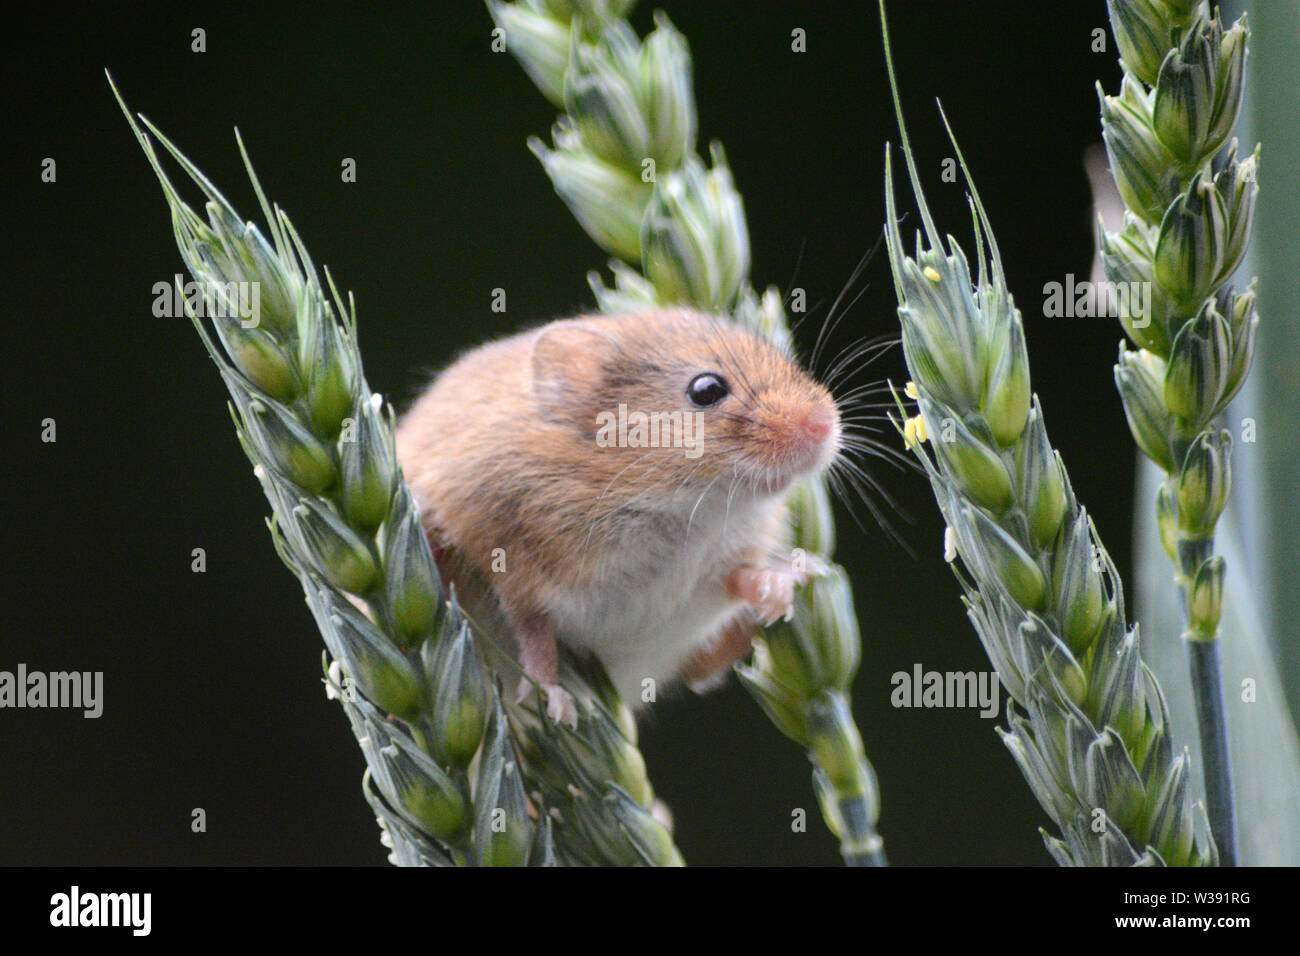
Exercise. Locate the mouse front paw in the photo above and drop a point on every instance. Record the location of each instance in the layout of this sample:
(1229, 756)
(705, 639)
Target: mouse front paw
(769, 591)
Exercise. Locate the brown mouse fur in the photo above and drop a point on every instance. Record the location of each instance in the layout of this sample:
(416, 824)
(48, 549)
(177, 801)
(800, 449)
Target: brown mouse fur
(654, 559)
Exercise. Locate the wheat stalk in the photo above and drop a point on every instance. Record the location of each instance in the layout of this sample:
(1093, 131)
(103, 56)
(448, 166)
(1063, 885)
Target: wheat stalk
(1190, 204)
(455, 774)
(623, 159)
(1087, 722)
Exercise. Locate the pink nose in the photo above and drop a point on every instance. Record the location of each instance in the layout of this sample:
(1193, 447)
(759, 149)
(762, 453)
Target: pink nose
(818, 424)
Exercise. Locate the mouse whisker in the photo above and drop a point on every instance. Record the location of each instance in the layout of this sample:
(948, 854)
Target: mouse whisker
(597, 515)
(879, 387)
(859, 354)
(869, 422)
(691, 518)
(864, 486)
(832, 322)
(832, 319)
(794, 277)
(870, 411)
(731, 492)
(866, 446)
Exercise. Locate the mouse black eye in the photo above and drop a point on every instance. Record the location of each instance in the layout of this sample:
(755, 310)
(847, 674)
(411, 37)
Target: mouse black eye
(707, 388)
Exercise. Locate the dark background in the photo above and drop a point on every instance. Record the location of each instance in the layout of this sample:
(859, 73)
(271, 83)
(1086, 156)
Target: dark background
(212, 692)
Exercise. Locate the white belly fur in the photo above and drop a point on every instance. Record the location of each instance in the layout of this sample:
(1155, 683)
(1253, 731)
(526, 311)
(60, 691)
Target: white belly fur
(664, 597)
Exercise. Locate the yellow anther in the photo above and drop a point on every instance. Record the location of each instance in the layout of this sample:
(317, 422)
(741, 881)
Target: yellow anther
(914, 431)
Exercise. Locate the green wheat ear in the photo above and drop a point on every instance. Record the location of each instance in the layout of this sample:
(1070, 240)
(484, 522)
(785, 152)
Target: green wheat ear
(1190, 204)
(623, 160)
(455, 773)
(1087, 723)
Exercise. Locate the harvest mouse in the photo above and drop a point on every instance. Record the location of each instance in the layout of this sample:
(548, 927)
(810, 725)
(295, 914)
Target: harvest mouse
(620, 482)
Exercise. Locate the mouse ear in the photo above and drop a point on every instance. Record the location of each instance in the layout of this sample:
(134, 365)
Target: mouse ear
(570, 360)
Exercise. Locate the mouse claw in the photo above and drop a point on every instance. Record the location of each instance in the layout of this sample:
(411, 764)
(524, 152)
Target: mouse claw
(814, 567)
(768, 591)
(807, 567)
(560, 706)
(522, 691)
